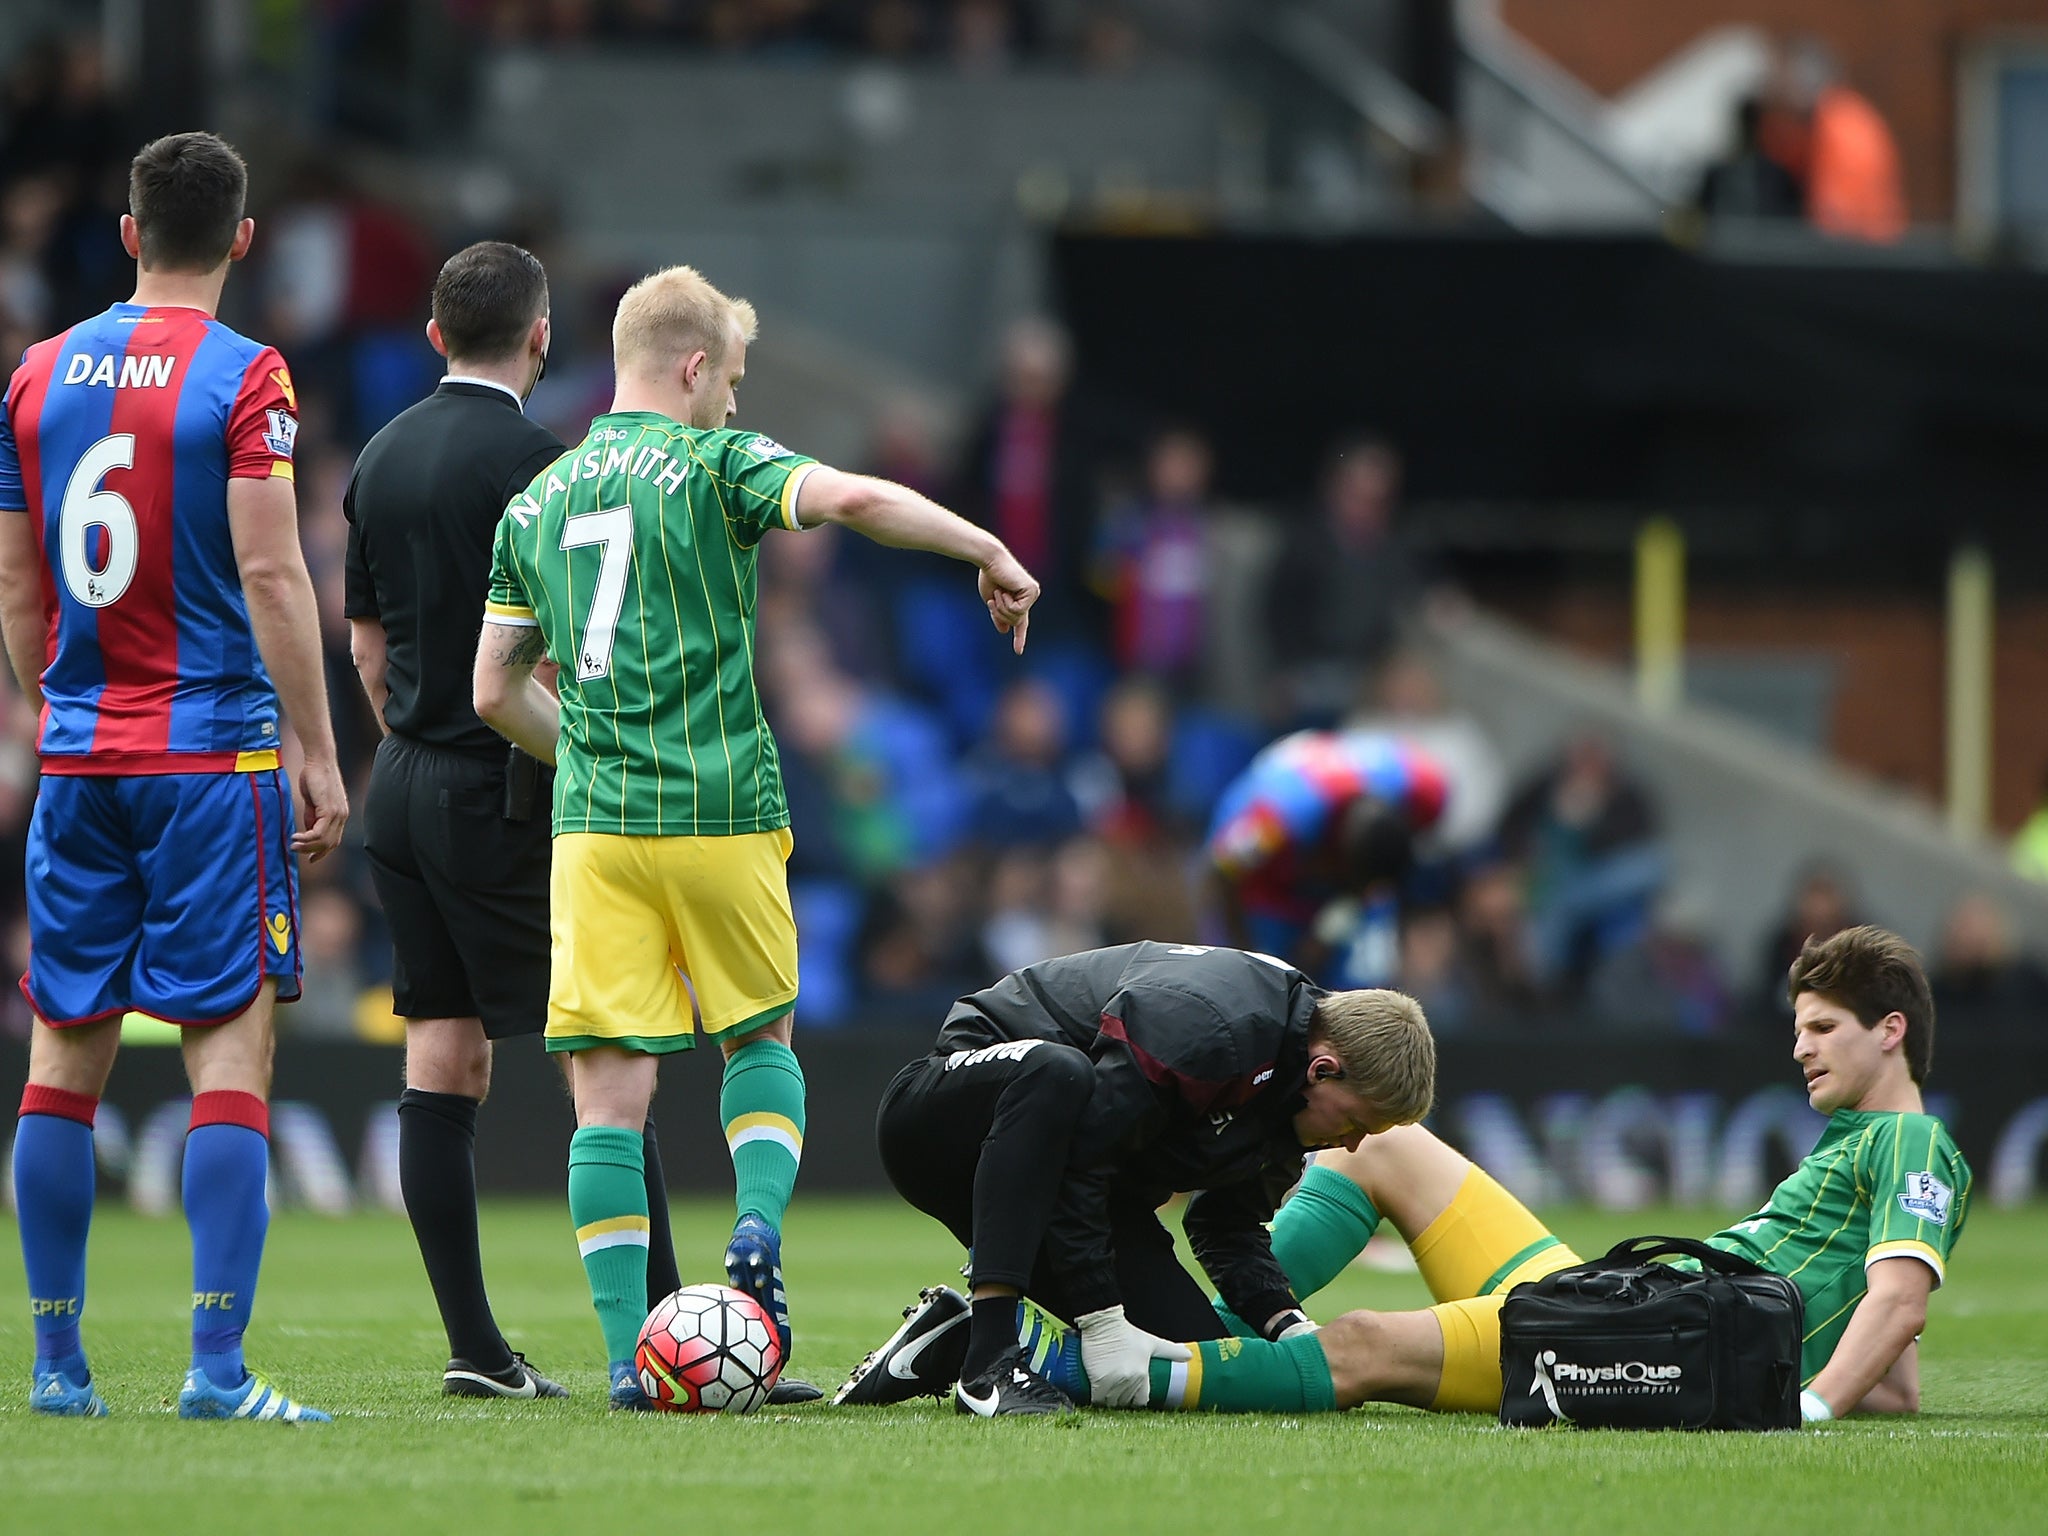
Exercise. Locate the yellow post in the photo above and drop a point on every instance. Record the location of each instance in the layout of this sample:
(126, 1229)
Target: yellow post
(1660, 615)
(1972, 620)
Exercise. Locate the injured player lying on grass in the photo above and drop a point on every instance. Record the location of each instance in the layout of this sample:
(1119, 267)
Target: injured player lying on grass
(1864, 1226)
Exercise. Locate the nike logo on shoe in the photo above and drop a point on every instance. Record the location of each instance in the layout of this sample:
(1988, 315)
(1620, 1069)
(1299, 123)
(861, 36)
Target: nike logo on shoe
(903, 1364)
(982, 1407)
(527, 1387)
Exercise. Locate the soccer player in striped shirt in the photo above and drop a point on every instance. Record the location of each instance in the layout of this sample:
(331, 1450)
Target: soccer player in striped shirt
(156, 607)
(631, 561)
(1864, 1226)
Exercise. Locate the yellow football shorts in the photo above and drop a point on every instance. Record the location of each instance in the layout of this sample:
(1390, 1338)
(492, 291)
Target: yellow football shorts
(633, 916)
(1483, 1245)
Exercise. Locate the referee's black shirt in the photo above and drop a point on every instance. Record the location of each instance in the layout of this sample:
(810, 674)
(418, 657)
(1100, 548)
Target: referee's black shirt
(423, 507)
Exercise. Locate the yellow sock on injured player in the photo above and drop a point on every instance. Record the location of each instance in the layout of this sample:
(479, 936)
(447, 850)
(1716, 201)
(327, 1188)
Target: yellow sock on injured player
(1481, 1239)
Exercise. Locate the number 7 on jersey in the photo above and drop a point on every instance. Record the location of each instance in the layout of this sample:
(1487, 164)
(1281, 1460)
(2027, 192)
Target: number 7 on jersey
(611, 529)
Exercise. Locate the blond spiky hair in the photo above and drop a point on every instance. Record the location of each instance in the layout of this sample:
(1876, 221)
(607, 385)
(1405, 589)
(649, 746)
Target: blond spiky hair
(672, 313)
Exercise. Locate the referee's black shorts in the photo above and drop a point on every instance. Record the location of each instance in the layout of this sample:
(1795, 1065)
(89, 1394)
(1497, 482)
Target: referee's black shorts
(465, 891)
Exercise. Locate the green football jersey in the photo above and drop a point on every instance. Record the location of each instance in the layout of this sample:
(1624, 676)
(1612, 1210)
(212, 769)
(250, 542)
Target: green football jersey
(635, 553)
(1876, 1186)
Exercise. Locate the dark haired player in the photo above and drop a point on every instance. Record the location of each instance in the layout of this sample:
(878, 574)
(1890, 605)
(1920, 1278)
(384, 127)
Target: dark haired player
(156, 607)
(1864, 1226)
(455, 828)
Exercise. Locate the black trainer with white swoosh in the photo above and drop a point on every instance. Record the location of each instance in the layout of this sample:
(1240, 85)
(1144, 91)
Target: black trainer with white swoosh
(518, 1379)
(922, 1358)
(1009, 1388)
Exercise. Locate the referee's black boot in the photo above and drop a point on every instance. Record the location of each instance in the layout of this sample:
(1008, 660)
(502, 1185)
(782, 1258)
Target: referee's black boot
(518, 1379)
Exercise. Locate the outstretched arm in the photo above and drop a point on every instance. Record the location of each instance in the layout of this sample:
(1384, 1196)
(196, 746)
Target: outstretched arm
(1877, 1342)
(508, 698)
(896, 515)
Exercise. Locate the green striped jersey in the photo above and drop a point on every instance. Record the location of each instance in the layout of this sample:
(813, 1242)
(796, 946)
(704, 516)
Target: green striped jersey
(634, 553)
(1876, 1186)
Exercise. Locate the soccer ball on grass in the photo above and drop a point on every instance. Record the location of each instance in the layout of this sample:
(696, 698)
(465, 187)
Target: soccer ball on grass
(708, 1349)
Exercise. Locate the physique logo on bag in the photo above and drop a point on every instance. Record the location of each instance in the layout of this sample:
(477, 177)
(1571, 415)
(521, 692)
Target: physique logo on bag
(1926, 1198)
(1623, 1378)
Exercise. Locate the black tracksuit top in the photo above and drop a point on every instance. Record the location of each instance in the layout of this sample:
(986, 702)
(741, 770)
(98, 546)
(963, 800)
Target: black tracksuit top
(1200, 1060)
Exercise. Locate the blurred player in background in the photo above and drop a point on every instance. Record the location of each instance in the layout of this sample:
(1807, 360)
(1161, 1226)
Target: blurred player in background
(1309, 845)
(156, 606)
(631, 561)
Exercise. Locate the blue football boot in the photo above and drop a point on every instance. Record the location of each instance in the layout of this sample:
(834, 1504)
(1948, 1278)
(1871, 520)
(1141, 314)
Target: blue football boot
(753, 1263)
(253, 1399)
(59, 1396)
(627, 1394)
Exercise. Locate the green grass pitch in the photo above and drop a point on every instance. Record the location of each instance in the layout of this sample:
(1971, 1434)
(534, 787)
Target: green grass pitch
(345, 1321)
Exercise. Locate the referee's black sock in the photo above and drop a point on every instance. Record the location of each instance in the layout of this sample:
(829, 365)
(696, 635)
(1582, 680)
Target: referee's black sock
(662, 1278)
(437, 1175)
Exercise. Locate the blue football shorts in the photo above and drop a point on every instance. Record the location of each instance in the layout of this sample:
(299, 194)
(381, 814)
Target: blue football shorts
(171, 894)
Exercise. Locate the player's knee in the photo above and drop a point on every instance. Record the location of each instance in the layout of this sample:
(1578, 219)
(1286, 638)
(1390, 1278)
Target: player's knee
(1381, 1357)
(1349, 1347)
(1059, 1075)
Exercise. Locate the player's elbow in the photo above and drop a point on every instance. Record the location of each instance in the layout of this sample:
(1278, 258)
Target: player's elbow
(490, 697)
(269, 582)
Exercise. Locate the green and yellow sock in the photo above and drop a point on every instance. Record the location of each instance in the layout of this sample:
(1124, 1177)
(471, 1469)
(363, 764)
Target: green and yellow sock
(762, 1107)
(1247, 1376)
(608, 1204)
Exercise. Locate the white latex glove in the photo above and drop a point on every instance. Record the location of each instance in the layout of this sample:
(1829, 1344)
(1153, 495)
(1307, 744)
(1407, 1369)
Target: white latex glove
(1118, 1357)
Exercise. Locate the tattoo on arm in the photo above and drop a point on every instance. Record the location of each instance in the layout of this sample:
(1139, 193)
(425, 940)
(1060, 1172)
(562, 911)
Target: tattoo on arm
(526, 649)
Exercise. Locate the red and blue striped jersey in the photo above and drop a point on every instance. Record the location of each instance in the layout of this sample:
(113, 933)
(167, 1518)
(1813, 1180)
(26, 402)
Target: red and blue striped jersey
(1284, 806)
(119, 438)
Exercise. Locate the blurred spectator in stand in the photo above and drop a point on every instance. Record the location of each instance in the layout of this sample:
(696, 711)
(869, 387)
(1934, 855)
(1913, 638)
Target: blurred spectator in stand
(2030, 843)
(989, 35)
(1584, 834)
(1122, 788)
(877, 769)
(343, 279)
(1494, 948)
(1343, 584)
(1028, 475)
(1980, 976)
(29, 206)
(1018, 928)
(1020, 789)
(918, 943)
(1430, 969)
(1408, 702)
(1822, 905)
(1152, 563)
(1668, 982)
(1837, 144)
(1310, 843)
(330, 943)
(1748, 186)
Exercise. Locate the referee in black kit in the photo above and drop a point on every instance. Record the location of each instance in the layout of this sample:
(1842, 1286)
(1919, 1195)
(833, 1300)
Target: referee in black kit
(457, 826)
